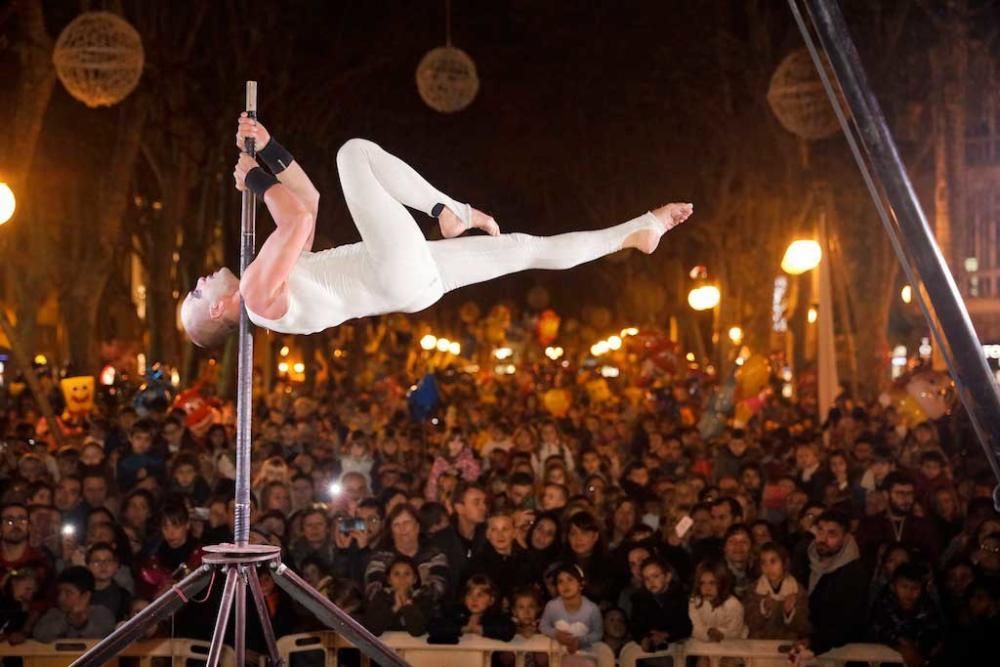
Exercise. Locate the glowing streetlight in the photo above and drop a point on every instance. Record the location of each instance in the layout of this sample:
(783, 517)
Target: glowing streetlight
(705, 297)
(906, 294)
(299, 367)
(443, 344)
(599, 348)
(801, 256)
(283, 367)
(736, 335)
(284, 351)
(428, 342)
(615, 343)
(813, 315)
(502, 353)
(455, 348)
(689, 356)
(7, 203)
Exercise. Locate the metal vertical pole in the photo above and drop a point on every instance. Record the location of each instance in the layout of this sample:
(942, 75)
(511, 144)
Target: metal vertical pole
(902, 216)
(244, 377)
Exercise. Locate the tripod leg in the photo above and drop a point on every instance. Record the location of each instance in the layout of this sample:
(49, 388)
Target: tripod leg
(241, 617)
(161, 608)
(336, 618)
(265, 619)
(225, 607)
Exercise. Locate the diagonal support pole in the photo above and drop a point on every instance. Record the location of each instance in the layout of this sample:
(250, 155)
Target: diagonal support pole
(878, 160)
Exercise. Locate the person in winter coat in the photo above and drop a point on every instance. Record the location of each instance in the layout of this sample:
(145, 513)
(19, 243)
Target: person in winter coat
(479, 614)
(715, 612)
(777, 607)
(838, 585)
(458, 457)
(659, 612)
(400, 605)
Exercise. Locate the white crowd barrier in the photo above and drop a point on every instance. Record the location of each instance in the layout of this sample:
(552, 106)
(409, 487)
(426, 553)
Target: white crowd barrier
(150, 653)
(476, 651)
(470, 651)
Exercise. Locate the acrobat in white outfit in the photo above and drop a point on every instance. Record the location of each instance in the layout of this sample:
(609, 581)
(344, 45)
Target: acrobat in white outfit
(290, 289)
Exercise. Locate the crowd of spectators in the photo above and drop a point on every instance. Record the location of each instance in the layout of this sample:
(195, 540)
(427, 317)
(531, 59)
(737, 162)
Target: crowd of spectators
(616, 526)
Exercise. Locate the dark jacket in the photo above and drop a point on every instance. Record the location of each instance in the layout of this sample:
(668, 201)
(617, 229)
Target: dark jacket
(837, 607)
(921, 626)
(413, 618)
(666, 612)
(446, 628)
(917, 533)
(506, 572)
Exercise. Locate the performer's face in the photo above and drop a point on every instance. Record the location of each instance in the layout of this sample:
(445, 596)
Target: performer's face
(206, 305)
(215, 287)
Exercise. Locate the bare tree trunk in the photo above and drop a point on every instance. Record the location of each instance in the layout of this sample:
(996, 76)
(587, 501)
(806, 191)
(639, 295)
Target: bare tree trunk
(36, 81)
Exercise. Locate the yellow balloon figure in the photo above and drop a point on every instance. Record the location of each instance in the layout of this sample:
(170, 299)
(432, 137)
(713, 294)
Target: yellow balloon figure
(754, 375)
(557, 402)
(79, 394)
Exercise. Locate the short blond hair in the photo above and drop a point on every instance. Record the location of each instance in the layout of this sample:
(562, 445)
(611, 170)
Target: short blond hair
(204, 330)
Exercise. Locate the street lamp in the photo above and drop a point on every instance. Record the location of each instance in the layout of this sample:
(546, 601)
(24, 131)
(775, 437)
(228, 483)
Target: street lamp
(906, 294)
(7, 203)
(443, 344)
(428, 342)
(736, 335)
(801, 256)
(705, 297)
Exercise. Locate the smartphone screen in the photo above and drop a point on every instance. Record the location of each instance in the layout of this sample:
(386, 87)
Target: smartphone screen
(684, 525)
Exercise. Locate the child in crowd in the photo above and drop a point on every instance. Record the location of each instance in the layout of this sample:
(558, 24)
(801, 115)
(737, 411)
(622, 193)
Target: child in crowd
(359, 456)
(659, 612)
(141, 461)
(777, 607)
(103, 564)
(715, 612)
(907, 620)
(615, 629)
(19, 610)
(479, 614)
(186, 482)
(74, 617)
(571, 619)
(400, 605)
(457, 458)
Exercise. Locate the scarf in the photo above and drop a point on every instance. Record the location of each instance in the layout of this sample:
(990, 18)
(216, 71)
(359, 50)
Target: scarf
(818, 566)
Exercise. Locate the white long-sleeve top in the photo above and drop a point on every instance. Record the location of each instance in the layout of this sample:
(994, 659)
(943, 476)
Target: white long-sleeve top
(727, 618)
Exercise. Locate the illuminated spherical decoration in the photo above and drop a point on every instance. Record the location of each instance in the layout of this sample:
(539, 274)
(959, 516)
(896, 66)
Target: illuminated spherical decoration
(447, 80)
(443, 344)
(705, 297)
(7, 203)
(428, 342)
(798, 99)
(801, 256)
(99, 58)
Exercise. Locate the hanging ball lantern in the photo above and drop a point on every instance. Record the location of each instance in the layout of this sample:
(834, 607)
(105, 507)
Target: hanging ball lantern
(99, 58)
(798, 99)
(447, 80)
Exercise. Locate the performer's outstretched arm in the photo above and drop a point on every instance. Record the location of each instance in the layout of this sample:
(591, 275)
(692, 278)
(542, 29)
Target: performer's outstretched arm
(281, 163)
(263, 284)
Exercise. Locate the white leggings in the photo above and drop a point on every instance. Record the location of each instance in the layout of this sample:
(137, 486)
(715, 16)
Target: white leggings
(377, 185)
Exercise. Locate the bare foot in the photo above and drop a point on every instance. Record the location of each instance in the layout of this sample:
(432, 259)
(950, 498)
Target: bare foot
(670, 215)
(452, 225)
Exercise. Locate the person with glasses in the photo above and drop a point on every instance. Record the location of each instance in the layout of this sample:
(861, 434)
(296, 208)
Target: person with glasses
(16, 552)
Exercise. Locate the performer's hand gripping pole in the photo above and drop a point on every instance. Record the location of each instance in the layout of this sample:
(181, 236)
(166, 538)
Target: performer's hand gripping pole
(244, 377)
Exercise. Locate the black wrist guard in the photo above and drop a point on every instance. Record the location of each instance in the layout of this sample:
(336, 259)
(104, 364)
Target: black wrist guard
(275, 156)
(259, 181)
(437, 210)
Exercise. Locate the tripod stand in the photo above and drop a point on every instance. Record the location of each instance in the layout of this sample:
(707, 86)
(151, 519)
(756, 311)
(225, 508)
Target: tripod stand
(239, 561)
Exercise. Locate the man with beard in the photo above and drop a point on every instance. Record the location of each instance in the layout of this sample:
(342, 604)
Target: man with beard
(838, 585)
(899, 524)
(466, 534)
(15, 551)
